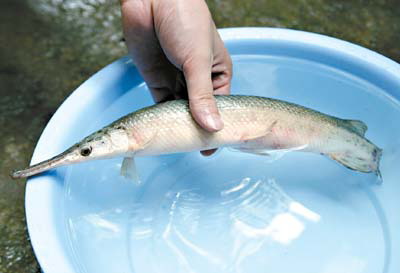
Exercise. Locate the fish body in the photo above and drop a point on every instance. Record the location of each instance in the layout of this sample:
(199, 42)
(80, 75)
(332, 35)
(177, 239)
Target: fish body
(251, 124)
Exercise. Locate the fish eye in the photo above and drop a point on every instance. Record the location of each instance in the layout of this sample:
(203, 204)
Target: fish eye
(86, 151)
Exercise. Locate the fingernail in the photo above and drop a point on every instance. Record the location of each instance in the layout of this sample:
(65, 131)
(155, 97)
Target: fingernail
(214, 122)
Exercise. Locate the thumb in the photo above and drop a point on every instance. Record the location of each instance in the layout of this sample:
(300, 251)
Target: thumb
(203, 107)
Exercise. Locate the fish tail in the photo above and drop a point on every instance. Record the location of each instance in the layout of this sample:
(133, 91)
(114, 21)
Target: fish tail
(361, 163)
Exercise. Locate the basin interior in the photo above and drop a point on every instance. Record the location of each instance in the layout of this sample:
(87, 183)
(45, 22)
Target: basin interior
(237, 212)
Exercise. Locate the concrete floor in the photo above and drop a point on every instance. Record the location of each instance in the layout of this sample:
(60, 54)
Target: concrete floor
(49, 47)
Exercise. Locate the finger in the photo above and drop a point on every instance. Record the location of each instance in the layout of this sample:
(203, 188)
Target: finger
(186, 33)
(180, 91)
(222, 74)
(197, 71)
(139, 31)
(221, 84)
(208, 152)
(146, 52)
(161, 94)
(222, 67)
(173, 89)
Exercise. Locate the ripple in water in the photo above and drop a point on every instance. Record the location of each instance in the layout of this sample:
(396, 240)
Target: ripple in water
(225, 229)
(226, 213)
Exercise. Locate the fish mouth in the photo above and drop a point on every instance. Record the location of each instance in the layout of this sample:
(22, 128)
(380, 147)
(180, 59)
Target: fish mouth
(57, 161)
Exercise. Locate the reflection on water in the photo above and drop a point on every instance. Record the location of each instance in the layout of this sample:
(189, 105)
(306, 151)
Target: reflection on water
(224, 235)
(225, 230)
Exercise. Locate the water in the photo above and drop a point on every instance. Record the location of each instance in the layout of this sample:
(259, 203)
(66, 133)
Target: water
(235, 212)
(48, 47)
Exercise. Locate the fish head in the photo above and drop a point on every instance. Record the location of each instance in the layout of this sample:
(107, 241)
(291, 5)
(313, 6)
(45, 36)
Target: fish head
(106, 143)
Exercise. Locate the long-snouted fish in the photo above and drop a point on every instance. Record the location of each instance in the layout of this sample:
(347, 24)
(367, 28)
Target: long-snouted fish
(251, 124)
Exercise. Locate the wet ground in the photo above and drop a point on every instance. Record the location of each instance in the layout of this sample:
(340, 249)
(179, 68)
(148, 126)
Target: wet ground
(48, 47)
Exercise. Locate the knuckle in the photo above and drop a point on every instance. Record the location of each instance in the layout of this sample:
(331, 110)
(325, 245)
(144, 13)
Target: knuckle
(204, 105)
(202, 99)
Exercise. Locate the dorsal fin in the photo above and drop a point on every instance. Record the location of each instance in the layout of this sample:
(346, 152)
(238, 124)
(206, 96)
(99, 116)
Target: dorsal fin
(357, 126)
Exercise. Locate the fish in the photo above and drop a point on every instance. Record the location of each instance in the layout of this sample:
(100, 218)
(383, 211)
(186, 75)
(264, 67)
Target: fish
(252, 124)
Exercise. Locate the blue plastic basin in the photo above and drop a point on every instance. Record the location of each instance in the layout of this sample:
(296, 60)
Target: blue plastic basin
(231, 212)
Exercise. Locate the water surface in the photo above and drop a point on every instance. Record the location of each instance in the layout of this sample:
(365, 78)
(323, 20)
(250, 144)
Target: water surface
(238, 212)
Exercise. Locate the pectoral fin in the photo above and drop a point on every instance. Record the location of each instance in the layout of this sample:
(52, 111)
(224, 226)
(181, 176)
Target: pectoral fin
(128, 169)
(263, 133)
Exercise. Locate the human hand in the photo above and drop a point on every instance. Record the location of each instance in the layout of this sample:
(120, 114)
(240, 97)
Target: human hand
(174, 44)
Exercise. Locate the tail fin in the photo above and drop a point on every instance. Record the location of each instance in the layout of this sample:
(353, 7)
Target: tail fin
(359, 163)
